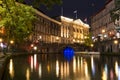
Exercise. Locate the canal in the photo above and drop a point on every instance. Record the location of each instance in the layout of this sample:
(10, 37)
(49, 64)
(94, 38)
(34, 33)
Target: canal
(60, 67)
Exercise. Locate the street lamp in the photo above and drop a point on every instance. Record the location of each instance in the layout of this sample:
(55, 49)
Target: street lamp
(11, 42)
(35, 48)
(1, 40)
(103, 31)
(115, 41)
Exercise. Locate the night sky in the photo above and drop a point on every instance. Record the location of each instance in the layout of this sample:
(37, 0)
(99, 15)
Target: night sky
(85, 8)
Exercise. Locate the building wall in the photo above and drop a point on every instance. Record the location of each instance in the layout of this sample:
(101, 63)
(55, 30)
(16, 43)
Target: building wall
(68, 31)
(102, 21)
(104, 30)
(46, 30)
(75, 30)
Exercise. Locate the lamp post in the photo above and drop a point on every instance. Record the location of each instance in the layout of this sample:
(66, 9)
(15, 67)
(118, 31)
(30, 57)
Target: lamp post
(11, 44)
(116, 44)
(103, 31)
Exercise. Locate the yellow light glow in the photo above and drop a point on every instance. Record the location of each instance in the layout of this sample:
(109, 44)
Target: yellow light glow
(35, 61)
(32, 45)
(1, 40)
(116, 68)
(35, 48)
(115, 41)
(91, 45)
(27, 74)
(11, 42)
(66, 19)
(57, 38)
(40, 70)
(57, 68)
(103, 30)
(11, 68)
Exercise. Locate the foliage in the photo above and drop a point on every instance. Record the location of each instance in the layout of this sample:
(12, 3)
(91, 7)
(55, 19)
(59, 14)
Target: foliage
(114, 15)
(88, 40)
(47, 3)
(16, 19)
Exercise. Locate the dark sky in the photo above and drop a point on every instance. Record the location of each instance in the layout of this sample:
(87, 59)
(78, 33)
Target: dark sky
(85, 8)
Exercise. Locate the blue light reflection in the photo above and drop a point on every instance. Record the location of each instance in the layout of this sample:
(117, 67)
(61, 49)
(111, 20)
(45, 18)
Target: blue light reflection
(68, 53)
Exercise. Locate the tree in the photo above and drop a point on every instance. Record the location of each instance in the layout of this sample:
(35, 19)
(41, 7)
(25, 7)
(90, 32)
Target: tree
(88, 40)
(47, 3)
(16, 19)
(115, 13)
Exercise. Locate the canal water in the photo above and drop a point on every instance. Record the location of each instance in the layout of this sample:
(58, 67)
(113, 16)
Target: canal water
(60, 67)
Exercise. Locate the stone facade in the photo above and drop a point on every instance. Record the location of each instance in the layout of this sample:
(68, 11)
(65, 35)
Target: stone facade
(103, 29)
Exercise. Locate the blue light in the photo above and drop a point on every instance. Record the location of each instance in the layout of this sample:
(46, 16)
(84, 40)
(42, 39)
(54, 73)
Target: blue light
(68, 53)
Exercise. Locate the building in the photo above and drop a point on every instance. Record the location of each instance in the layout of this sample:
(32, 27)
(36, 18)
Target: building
(54, 32)
(103, 27)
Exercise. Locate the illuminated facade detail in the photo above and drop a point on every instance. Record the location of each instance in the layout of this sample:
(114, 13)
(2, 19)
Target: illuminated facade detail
(66, 30)
(73, 30)
(102, 24)
(46, 29)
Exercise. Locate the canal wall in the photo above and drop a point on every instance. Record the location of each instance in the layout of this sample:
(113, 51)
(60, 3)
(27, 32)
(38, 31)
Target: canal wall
(107, 46)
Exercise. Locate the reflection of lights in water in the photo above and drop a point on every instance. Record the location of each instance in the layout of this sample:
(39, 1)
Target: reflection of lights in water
(74, 64)
(106, 68)
(118, 73)
(68, 53)
(48, 68)
(11, 68)
(116, 68)
(64, 69)
(86, 68)
(78, 63)
(92, 65)
(40, 70)
(61, 70)
(111, 74)
(57, 68)
(27, 74)
(35, 61)
(105, 73)
(81, 63)
(31, 63)
(67, 69)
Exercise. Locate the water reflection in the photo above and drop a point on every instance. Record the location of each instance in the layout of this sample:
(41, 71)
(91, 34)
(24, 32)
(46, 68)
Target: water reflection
(40, 71)
(11, 68)
(27, 74)
(55, 67)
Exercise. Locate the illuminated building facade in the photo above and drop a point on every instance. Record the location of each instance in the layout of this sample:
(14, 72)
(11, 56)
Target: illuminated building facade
(66, 31)
(46, 29)
(105, 29)
(73, 31)
(102, 24)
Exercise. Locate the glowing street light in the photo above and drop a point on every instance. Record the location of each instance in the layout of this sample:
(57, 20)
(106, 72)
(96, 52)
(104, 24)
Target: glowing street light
(32, 45)
(103, 30)
(115, 41)
(1, 40)
(11, 42)
(35, 48)
(91, 45)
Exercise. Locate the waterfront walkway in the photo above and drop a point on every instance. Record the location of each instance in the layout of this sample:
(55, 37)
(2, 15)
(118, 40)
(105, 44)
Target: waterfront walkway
(2, 63)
